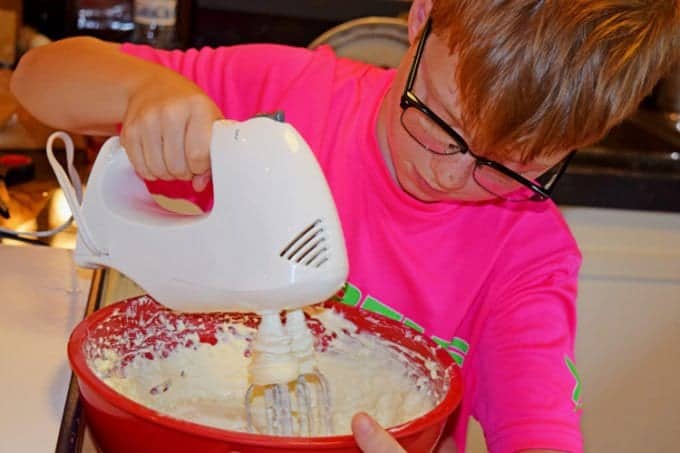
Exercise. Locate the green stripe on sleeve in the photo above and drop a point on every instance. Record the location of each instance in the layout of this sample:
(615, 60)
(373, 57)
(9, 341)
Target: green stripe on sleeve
(374, 306)
(413, 325)
(456, 358)
(443, 343)
(460, 344)
(351, 295)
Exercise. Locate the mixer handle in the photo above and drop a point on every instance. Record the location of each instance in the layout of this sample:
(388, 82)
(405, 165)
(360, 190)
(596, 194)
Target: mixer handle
(166, 193)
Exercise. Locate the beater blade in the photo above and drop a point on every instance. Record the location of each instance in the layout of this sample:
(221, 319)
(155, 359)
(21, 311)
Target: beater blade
(295, 395)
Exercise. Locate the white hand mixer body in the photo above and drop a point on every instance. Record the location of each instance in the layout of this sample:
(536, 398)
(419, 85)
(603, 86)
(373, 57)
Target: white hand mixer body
(271, 242)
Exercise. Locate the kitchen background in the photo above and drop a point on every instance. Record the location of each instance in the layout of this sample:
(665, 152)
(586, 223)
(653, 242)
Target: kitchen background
(621, 197)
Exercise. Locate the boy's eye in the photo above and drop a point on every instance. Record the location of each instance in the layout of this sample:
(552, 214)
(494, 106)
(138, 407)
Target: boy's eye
(428, 129)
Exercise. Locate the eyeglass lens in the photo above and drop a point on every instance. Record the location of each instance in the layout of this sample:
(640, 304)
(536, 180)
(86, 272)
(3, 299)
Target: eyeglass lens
(431, 136)
(428, 133)
(499, 184)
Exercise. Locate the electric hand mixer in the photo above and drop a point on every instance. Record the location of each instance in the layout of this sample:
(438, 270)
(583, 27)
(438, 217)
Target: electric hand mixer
(271, 242)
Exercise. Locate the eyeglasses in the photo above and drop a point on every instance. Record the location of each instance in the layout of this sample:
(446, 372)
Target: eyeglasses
(435, 135)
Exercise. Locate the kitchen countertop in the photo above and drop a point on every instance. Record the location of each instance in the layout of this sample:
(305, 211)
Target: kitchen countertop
(44, 297)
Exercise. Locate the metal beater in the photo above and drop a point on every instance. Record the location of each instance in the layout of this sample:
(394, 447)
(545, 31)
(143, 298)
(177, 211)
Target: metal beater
(283, 366)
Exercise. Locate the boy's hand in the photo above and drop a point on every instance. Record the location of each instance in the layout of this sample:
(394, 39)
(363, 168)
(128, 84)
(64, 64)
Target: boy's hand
(167, 128)
(371, 437)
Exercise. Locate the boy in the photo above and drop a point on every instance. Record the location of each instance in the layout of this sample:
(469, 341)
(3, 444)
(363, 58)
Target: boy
(441, 170)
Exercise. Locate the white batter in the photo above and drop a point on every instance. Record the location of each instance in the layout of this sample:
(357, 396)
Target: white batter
(206, 383)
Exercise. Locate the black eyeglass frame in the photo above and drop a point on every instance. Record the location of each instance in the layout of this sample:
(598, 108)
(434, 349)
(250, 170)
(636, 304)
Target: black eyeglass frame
(410, 100)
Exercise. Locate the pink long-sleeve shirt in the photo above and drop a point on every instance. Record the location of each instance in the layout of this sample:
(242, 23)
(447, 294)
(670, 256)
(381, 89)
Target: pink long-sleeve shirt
(494, 283)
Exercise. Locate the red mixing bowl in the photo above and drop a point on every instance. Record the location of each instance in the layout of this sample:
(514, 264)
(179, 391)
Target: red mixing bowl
(118, 424)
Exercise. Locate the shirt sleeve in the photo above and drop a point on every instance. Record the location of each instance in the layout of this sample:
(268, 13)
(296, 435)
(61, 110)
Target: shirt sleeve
(245, 80)
(528, 387)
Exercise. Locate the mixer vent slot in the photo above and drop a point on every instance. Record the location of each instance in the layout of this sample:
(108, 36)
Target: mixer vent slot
(310, 247)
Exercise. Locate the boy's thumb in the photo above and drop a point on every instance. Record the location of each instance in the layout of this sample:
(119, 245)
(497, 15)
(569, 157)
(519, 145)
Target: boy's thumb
(371, 437)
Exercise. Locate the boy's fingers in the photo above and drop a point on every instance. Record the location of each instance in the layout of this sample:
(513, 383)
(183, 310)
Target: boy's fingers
(152, 148)
(133, 150)
(371, 437)
(174, 126)
(197, 143)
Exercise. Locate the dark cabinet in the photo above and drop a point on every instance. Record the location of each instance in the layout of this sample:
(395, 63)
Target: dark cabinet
(295, 22)
(220, 22)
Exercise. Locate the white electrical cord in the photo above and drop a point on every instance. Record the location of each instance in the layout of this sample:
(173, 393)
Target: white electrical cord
(73, 191)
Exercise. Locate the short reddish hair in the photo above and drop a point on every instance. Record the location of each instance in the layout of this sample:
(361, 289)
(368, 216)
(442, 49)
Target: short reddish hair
(544, 76)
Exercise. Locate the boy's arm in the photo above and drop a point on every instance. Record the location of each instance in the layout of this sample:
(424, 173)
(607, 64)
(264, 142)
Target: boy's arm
(88, 86)
(80, 84)
(528, 392)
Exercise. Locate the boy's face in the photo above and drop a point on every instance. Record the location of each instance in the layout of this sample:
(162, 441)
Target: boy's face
(425, 175)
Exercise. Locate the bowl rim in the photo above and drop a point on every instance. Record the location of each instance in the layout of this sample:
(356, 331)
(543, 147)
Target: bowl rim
(84, 374)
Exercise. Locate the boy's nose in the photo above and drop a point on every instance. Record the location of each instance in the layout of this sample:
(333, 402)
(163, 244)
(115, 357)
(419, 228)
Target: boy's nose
(454, 171)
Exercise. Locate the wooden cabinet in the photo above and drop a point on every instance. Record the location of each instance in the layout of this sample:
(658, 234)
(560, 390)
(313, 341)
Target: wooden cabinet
(10, 23)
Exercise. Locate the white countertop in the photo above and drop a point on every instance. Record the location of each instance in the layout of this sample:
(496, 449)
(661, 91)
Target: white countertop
(43, 296)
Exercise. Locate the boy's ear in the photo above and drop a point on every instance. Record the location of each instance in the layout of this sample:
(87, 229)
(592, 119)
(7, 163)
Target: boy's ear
(417, 17)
